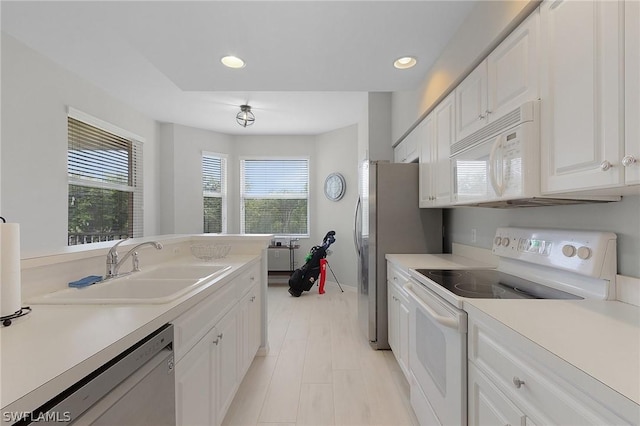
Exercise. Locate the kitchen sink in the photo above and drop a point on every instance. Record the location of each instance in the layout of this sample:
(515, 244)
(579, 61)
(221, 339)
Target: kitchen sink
(153, 286)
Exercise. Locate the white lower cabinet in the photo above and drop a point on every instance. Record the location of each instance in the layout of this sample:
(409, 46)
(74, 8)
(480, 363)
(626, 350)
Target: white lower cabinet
(209, 371)
(249, 316)
(514, 381)
(398, 317)
(487, 405)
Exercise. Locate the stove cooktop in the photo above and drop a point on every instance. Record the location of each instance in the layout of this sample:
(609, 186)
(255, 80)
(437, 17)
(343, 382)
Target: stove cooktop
(491, 284)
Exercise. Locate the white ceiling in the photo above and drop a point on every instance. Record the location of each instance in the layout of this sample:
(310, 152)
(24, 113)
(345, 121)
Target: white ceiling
(309, 63)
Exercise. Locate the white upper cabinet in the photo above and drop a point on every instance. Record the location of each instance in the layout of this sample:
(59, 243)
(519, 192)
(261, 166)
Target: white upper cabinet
(631, 158)
(436, 134)
(581, 93)
(427, 188)
(502, 82)
(407, 150)
(443, 137)
(471, 102)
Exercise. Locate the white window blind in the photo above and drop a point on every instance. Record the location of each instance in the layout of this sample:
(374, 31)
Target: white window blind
(105, 184)
(275, 196)
(214, 191)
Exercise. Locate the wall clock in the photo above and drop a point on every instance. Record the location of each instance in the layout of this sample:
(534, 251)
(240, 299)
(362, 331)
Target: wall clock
(335, 186)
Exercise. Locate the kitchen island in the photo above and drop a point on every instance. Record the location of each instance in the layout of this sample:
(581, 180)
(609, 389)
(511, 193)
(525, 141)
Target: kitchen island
(54, 346)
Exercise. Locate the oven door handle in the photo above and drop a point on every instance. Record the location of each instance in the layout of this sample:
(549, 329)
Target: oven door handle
(445, 321)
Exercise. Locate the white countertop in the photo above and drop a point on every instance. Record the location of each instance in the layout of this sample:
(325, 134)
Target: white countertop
(435, 261)
(53, 347)
(601, 338)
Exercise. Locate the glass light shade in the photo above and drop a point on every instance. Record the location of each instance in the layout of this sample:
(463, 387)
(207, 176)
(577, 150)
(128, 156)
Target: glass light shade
(245, 117)
(405, 62)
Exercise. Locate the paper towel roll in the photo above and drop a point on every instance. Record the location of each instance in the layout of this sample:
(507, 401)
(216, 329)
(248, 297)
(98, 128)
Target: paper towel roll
(10, 298)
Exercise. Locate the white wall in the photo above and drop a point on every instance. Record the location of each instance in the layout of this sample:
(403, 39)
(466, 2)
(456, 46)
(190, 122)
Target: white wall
(181, 177)
(487, 24)
(35, 95)
(337, 151)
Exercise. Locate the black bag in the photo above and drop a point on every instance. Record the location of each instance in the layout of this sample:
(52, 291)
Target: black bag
(303, 278)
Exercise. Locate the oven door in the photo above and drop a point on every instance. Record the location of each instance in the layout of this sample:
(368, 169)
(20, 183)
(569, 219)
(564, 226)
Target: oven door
(437, 358)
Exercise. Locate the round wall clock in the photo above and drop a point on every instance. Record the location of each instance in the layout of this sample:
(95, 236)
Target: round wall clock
(335, 186)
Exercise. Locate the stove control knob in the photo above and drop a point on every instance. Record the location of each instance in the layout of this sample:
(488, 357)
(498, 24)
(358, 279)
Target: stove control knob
(505, 242)
(569, 250)
(497, 241)
(584, 253)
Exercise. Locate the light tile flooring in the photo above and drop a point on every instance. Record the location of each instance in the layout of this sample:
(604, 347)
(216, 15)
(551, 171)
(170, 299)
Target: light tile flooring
(320, 370)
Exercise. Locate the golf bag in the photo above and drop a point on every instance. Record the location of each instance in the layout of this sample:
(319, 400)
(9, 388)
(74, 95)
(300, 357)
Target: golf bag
(306, 276)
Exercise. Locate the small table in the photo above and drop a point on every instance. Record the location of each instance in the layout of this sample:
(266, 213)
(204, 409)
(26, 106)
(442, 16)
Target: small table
(292, 248)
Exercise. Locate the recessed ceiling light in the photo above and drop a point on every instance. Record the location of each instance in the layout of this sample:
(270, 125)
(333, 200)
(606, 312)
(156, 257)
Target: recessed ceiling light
(232, 62)
(404, 63)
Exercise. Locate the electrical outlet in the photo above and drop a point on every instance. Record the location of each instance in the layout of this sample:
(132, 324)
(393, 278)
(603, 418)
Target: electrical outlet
(473, 235)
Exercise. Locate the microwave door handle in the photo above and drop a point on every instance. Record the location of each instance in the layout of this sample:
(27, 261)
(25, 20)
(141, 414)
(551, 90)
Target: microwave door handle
(499, 188)
(355, 227)
(445, 321)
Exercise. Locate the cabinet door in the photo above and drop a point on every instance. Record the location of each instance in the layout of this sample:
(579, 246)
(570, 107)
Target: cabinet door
(581, 97)
(194, 386)
(487, 405)
(444, 136)
(425, 138)
(411, 147)
(471, 102)
(632, 93)
(392, 313)
(512, 69)
(225, 362)
(403, 334)
(249, 316)
(400, 152)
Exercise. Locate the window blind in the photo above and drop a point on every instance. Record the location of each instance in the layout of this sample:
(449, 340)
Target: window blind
(274, 196)
(105, 184)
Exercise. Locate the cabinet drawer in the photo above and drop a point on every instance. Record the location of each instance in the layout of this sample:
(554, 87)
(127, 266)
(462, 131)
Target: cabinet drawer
(538, 386)
(396, 276)
(245, 281)
(190, 327)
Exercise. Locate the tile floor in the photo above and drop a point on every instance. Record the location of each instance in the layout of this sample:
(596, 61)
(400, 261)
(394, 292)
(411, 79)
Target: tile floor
(320, 370)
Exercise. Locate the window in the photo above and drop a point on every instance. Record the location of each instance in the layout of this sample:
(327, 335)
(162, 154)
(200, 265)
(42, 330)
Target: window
(105, 181)
(214, 192)
(275, 197)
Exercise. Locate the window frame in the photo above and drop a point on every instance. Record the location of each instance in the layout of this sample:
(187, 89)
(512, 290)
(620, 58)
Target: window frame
(275, 158)
(224, 187)
(136, 186)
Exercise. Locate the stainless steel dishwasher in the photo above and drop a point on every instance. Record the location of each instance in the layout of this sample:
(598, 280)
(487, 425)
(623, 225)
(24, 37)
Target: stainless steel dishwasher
(135, 388)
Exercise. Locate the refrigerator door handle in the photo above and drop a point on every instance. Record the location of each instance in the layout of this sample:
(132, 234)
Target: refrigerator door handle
(356, 243)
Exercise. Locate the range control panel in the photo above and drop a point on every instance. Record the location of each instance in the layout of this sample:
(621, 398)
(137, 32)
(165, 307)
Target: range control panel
(584, 252)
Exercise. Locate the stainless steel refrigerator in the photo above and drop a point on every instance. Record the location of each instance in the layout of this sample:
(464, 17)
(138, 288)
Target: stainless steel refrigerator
(388, 220)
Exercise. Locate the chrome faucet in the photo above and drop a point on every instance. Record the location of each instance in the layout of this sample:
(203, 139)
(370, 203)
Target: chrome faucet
(113, 264)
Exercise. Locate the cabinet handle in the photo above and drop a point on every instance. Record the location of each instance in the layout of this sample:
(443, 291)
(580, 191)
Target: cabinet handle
(517, 382)
(605, 165)
(252, 278)
(252, 298)
(628, 160)
(215, 341)
(221, 334)
(481, 116)
(487, 112)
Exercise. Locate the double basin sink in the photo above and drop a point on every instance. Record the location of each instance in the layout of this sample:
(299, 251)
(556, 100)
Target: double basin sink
(159, 285)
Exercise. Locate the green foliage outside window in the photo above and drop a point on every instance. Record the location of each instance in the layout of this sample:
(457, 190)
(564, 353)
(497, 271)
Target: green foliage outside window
(99, 212)
(275, 216)
(212, 214)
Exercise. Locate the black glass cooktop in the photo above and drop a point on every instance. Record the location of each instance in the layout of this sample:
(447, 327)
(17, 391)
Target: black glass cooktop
(491, 284)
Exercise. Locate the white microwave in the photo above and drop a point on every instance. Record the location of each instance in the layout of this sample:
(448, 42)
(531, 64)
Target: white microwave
(501, 161)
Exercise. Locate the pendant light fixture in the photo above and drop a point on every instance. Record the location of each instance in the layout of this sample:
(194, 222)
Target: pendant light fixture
(245, 117)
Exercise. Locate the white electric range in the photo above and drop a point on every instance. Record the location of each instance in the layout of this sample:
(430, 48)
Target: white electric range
(533, 264)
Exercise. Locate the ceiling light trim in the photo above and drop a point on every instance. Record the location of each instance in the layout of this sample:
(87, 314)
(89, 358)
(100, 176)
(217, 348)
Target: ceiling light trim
(234, 62)
(405, 62)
